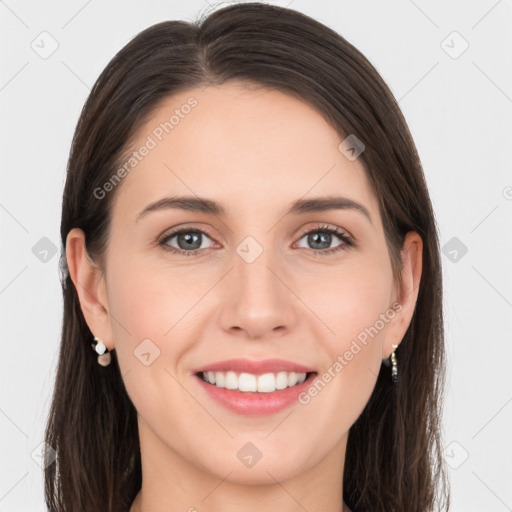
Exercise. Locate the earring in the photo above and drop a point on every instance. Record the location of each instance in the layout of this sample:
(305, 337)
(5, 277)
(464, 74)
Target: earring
(99, 347)
(394, 369)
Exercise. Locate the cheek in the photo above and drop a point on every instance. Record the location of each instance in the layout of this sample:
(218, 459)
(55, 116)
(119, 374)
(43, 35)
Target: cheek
(153, 309)
(146, 310)
(354, 348)
(349, 298)
(355, 307)
(148, 300)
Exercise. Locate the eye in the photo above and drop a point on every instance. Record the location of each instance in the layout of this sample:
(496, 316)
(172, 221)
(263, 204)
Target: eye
(189, 241)
(322, 236)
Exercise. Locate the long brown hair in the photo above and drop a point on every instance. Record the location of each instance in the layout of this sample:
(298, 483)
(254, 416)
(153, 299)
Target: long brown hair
(393, 459)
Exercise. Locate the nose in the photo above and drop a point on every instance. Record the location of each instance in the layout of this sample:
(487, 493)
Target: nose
(260, 302)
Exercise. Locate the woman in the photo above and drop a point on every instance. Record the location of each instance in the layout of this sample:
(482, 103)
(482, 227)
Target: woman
(252, 285)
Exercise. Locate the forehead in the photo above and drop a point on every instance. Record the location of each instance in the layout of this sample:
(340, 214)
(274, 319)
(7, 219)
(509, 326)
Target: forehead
(238, 144)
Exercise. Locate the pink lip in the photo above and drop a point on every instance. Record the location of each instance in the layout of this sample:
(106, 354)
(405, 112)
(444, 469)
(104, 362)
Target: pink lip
(252, 403)
(254, 367)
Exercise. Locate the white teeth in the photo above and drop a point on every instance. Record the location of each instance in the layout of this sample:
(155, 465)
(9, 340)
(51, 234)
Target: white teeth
(220, 380)
(265, 383)
(231, 380)
(281, 380)
(247, 382)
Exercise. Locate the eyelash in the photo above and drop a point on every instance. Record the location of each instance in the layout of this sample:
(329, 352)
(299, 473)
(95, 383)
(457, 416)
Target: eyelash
(346, 239)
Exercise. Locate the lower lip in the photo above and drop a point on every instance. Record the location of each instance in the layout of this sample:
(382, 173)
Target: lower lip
(254, 404)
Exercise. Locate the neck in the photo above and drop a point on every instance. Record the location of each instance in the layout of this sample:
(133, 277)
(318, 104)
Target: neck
(137, 505)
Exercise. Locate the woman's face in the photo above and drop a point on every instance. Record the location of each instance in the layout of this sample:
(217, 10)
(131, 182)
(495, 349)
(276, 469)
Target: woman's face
(246, 283)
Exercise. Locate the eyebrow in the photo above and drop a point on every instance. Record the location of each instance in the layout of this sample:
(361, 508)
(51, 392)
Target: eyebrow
(301, 206)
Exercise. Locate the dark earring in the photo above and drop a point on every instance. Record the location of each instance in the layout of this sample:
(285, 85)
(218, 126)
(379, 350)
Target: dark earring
(99, 347)
(394, 368)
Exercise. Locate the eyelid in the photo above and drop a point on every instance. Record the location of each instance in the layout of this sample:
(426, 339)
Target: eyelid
(186, 227)
(326, 226)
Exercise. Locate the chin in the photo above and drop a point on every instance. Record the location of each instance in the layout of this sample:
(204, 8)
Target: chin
(264, 471)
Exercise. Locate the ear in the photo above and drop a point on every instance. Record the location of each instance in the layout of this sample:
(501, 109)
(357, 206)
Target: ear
(89, 283)
(406, 296)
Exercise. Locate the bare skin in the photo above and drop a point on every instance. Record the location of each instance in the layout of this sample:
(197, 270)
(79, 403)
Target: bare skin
(255, 152)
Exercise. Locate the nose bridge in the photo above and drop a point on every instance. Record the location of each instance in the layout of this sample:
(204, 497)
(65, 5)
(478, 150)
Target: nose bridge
(253, 262)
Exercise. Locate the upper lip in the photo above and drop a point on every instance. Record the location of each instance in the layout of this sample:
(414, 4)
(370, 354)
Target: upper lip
(255, 367)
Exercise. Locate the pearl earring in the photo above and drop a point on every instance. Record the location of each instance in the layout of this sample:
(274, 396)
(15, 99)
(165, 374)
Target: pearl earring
(99, 347)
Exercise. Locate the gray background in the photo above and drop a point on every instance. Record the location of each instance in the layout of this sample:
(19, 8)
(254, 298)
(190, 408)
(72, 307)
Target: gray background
(459, 108)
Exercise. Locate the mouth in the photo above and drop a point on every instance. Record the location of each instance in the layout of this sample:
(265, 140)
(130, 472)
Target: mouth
(254, 388)
(250, 387)
(249, 394)
(254, 376)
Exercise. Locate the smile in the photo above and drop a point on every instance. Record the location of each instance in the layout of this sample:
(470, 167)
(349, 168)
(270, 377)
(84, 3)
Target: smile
(247, 382)
(254, 387)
